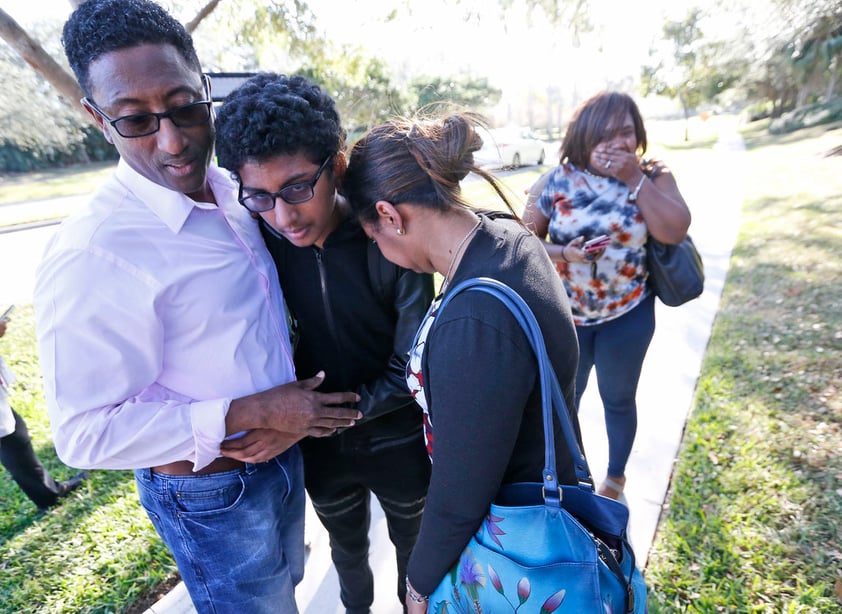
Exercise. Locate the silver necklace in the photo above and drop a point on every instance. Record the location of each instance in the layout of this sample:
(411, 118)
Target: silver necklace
(594, 175)
(456, 254)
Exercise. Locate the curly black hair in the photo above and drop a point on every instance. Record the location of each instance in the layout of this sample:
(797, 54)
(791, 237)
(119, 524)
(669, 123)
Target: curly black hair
(273, 114)
(98, 27)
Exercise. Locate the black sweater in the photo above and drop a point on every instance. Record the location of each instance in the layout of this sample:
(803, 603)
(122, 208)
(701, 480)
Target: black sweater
(356, 315)
(481, 384)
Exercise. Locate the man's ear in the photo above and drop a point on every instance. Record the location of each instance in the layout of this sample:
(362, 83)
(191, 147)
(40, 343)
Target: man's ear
(98, 119)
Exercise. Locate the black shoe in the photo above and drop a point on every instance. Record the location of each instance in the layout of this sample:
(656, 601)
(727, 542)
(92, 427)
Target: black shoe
(65, 488)
(73, 483)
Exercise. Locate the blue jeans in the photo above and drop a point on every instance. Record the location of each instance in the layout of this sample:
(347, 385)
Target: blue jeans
(617, 349)
(236, 536)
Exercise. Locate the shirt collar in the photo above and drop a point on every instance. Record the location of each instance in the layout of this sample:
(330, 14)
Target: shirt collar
(171, 207)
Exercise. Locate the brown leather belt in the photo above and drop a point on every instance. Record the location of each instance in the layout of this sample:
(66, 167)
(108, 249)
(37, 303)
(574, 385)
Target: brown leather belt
(186, 467)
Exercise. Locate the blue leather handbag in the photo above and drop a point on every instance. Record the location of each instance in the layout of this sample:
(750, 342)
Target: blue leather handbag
(544, 547)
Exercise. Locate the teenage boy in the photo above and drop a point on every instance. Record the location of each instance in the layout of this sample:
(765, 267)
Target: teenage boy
(356, 316)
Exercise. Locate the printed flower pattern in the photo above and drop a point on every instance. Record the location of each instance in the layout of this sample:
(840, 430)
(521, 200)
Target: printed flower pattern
(415, 376)
(469, 582)
(578, 204)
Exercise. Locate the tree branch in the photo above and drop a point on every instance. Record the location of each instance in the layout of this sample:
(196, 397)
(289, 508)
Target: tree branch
(34, 55)
(206, 10)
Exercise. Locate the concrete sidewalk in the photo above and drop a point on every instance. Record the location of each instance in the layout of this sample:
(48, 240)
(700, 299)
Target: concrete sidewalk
(664, 397)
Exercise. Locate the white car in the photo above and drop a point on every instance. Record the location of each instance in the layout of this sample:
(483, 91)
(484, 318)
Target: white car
(509, 148)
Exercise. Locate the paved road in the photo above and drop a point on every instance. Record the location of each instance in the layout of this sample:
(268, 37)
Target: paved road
(20, 253)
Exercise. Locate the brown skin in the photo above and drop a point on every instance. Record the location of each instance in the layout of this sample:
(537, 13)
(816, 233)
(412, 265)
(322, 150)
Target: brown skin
(155, 78)
(303, 224)
(281, 416)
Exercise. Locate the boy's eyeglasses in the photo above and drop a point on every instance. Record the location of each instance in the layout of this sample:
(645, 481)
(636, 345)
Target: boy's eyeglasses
(293, 194)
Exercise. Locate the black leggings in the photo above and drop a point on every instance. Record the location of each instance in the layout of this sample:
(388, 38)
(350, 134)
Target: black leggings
(19, 459)
(340, 481)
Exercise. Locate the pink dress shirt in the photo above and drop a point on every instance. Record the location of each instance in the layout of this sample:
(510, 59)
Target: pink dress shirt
(153, 312)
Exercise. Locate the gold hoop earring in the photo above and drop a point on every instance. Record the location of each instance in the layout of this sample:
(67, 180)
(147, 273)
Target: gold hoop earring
(401, 232)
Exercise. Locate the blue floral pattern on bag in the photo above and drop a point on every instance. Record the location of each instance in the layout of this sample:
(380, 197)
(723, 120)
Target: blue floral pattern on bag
(468, 580)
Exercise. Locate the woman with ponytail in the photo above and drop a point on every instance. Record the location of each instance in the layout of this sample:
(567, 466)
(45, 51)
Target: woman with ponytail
(471, 369)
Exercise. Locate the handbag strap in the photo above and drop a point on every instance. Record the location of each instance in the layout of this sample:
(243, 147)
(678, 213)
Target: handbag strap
(551, 396)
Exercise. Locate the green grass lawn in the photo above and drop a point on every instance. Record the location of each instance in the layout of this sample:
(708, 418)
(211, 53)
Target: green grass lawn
(754, 517)
(52, 183)
(754, 522)
(96, 551)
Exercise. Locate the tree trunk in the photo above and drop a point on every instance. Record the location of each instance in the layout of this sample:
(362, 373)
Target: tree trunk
(686, 109)
(801, 99)
(41, 61)
(207, 10)
(34, 55)
(831, 82)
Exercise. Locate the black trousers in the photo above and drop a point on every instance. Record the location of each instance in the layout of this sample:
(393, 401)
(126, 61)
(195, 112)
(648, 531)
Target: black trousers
(19, 459)
(340, 479)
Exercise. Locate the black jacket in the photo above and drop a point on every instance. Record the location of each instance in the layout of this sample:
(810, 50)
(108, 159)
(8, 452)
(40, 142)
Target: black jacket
(355, 315)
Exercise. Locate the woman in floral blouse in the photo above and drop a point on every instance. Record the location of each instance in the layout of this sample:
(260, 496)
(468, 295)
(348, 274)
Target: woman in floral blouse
(604, 188)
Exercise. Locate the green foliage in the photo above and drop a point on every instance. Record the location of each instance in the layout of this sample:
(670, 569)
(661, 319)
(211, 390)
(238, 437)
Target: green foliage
(250, 36)
(690, 72)
(39, 128)
(361, 86)
(282, 37)
(754, 506)
(804, 117)
(782, 52)
(472, 93)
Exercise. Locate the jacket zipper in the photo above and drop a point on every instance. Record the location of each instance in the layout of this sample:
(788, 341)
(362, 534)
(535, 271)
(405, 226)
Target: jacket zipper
(326, 302)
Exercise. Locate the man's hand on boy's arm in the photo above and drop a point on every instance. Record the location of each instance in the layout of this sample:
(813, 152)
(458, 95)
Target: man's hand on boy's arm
(295, 409)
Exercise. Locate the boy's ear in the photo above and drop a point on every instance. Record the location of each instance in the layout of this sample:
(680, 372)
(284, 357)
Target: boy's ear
(340, 165)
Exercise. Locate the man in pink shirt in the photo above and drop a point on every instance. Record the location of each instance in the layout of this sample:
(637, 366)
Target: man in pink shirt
(162, 330)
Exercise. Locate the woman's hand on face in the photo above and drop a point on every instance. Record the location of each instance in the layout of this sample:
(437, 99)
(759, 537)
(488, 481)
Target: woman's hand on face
(618, 163)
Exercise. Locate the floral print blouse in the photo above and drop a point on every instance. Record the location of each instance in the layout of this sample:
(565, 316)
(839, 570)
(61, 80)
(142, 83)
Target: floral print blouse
(576, 204)
(414, 376)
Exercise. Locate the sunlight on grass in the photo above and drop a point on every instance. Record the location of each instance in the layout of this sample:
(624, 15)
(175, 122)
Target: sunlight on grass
(51, 184)
(754, 500)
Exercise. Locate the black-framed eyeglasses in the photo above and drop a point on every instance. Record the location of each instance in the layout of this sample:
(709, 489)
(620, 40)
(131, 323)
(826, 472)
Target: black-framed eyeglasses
(293, 194)
(144, 124)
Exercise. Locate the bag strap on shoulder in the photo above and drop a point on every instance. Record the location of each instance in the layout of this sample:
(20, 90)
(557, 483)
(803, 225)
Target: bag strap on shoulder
(551, 396)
